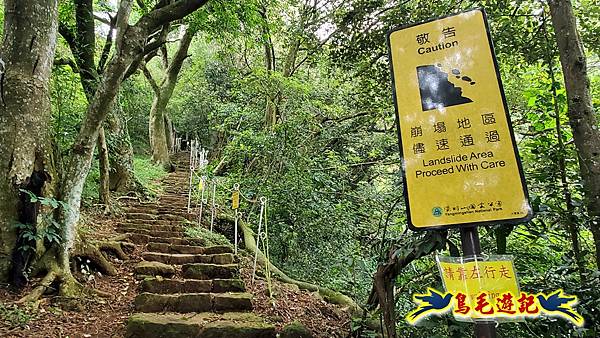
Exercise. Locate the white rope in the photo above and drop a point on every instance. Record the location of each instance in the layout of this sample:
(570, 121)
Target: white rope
(263, 200)
(202, 183)
(212, 207)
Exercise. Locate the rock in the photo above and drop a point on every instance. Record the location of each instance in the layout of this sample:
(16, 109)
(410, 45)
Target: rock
(154, 269)
(295, 330)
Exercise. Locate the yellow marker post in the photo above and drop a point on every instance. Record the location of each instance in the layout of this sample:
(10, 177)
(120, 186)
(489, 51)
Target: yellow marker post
(460, 162)
(235, 200)
(235, 205)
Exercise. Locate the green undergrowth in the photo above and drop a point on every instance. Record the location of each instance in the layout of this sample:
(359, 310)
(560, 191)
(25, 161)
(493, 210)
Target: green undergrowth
(193, 230)
(14, 316)
(149, 175)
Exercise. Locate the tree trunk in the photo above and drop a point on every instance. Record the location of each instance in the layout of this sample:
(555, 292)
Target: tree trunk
(157, 127)
(581, 113)
(158, 141)
(26, 56)
(120, 151)
(103, 163)
(169, 133)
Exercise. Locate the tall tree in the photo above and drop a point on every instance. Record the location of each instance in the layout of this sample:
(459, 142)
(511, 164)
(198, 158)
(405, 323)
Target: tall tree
(116, 164)
(159, 124)
(582, 117)
(26, 56)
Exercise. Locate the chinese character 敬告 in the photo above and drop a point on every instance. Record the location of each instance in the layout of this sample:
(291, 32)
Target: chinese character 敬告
(423, 38)
(449, 32)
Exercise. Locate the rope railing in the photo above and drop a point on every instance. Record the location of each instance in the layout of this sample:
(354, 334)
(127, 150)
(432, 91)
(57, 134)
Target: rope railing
(203, 189)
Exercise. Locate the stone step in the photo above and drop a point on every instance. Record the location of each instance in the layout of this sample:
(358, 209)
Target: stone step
(153, 233)
(189, 249)
(122, 227)
(193, 302)
(169, 286)
(145, 239)
(144, 216)
(155, 221)
(154, 269)
(180, 259)
(201, 325)
(209, 271)
(178, 211)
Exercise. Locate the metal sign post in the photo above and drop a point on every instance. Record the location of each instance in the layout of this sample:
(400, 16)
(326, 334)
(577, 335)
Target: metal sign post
(469, 240)
(460, 167)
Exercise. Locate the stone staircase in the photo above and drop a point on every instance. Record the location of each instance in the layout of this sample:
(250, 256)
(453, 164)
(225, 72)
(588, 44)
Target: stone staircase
(188, 289)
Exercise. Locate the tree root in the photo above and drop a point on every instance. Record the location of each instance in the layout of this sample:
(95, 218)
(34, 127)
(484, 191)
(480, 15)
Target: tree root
(69, 287)
(39, 290)
(327, 294)
(85, 249)
(116, 247)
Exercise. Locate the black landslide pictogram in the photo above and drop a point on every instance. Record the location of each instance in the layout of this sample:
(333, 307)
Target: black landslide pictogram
(436, 91)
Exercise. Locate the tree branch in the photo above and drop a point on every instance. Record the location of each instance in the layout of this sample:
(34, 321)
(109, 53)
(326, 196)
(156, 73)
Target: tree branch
(150, 79)
(166, 14)
(107, 46)
(65, 61)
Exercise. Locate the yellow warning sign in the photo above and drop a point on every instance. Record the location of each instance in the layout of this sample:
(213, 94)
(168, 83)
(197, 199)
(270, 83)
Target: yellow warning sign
(235, 199)
(460, 162)
(479, 285)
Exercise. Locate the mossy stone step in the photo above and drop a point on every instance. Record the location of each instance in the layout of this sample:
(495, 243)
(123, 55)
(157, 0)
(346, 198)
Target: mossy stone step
(153, 227)
(154, 269)
(189, 249)
(167, 286)
(154, 221)
(138, 238)
(209, 271)
(180, 259)
(201, 325)
(140, 215)
(153, 233)
(193, 302)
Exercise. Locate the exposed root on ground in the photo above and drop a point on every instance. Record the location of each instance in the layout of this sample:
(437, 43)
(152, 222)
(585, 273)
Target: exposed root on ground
(327, 294)
(85, 249)
(62, 278)
(116, 247)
